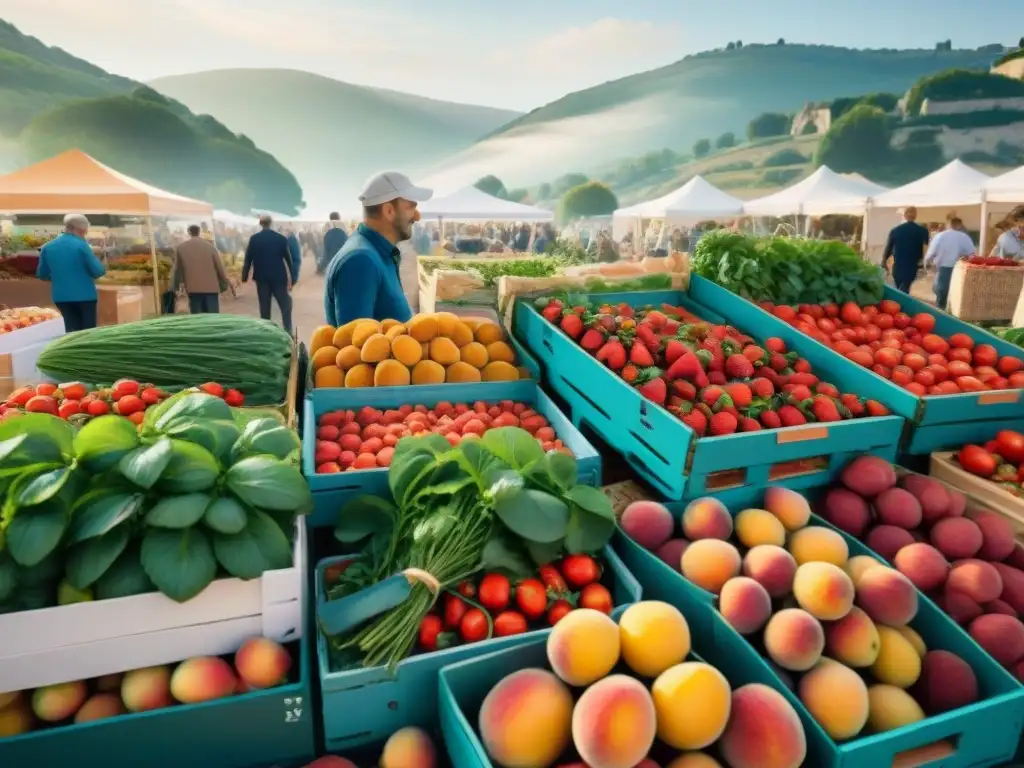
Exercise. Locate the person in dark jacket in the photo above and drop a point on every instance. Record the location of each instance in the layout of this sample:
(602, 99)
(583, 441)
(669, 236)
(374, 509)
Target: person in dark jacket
(295, 250)
(270, 262)
(334, 239)
(905, 246)
(71, 267)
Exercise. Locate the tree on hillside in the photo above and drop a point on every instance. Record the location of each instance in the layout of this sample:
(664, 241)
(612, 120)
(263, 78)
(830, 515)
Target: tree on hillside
(492, 185)
(781, 41)
(702, 148)
(731, 46)
(590, 199)
(1020, 43)
(518, 195)
(962, 85)
(768, 124)
(563, 184)
(857, 141)
(543, 191)
(726, 140)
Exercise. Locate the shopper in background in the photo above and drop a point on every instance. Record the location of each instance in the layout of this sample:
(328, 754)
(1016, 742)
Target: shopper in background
(295, 249)
(1009, 244)
(905, 247)
(334, 240)
(71, 267)
(946, 249)
(270, 262)
(198, 267)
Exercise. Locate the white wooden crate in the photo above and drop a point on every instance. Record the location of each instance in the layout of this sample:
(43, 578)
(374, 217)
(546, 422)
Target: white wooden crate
(33, 334)
(983, 491)
(83, 640)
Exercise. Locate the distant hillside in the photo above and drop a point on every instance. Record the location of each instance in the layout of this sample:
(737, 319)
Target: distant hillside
(332, 134)
(51, 101)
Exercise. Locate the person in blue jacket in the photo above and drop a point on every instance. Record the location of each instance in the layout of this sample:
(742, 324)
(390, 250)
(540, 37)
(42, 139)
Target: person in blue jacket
(71, 267)
(334, 240)
(295, 251)
(267, 257)
(363, 280)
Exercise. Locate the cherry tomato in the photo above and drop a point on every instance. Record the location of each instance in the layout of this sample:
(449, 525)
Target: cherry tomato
(553, 579)
(557, 611)
(977, 460)
(454, 610)
(580, 570)
(124, 387)
(532, 598)
(430, 628)
(509, 623)
(1011, 445)
(596, 597)
(473, 626)
(467, 588)
(494, 592)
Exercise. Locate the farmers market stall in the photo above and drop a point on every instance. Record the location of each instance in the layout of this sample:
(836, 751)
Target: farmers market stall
(696, 201)
(471, 204)
(823, 192)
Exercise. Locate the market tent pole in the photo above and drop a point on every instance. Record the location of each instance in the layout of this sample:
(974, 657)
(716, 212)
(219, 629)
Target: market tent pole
(156, 267)
(983, 235)
(864, 229)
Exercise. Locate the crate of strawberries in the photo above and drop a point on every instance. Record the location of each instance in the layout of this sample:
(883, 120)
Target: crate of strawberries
(686, 395)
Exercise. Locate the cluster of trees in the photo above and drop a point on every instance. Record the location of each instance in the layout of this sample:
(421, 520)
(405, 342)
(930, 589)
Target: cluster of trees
(962, 85)
(769, 124)
(591, 198)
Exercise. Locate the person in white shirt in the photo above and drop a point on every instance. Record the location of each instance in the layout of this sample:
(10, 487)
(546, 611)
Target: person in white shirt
(1009, 245)
(945, 250)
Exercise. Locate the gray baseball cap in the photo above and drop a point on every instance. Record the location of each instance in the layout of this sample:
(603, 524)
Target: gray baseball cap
(391, 185)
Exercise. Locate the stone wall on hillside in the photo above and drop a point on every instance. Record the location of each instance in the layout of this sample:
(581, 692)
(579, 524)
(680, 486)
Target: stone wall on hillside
(957, 141)
(932, 107)
(821, 117)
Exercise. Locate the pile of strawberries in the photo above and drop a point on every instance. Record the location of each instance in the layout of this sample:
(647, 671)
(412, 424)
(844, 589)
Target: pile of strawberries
(716, 379)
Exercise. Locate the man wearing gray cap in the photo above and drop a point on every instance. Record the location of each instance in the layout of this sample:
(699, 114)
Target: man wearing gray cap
(363, 278)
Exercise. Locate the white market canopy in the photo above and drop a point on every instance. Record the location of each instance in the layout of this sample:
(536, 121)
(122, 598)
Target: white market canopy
(696, 200)
(954, 184)
(1008, 188)
(470, 204)
(823, 192)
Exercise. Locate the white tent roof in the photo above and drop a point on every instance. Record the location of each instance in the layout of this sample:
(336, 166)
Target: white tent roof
(697, 199)
(954, 184)
(470, 204)
(821, 193)
(1008, 188)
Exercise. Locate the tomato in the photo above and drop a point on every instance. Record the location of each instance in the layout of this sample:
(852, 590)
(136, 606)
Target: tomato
(580, 570)
(889, 307)
(124, 387)
(977, 460)
(41, 404)
(902, 375)
(861, 357)
(494, 592)
(1011, 445)
(939, 373)
(151, 396)
(430, 628)
(46, 388)
(596, 597)
(924, 322)
(901, 320)
(97, 408)
(883, 322)
(914, 361)
(1017, 380)
(509, 623)
(532, 598)
(958, 368)
(234, 398)
(22, 396)
(473, 626)
(1008, 365)
(881, 370)
(454, 610)
(831, 310)
(969, 384)
(985, 354)
(129, 404)
(137, 417)
(916, 388)
(934, 344)
(851, 313)
(925, 378)
(74, 390)
(961, 340)
(552, 579)
(69, 408)
(215, 389)
(557, 611)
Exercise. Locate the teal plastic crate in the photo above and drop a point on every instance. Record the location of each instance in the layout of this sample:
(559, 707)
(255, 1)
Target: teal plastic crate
(366, 705)
(663, 450)
(273, 726)
(983, 734)
(375, 481)
(935, 423)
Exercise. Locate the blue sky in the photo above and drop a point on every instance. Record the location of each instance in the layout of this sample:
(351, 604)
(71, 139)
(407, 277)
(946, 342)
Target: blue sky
(516, 54)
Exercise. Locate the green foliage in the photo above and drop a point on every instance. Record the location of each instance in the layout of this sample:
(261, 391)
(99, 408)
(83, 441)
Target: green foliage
(567, 181)
(809, 128)
(768, 124)
(1012, 55)
(856, 140)
(519, 195)
(726, 140)
(702, 148)
(980, 118)
(738, 165)
(493, 186)
(777, 177)
(590, 199)
(962, 85)
(646, 168)
(787, 156)
(884, 101)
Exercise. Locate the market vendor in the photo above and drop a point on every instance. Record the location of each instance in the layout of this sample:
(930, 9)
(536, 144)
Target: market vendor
(71, 267)
(1009, 244)
(363, 280)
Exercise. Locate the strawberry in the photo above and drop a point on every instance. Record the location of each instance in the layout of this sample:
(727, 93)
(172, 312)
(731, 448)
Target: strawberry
(749, 425)
(756, 355)
(875, 408)
(552, 312)
(853, 404)
(656, 319)
(647, 335)
(824, 388)
(612, 354)
(671, 328)
(778, 361)
(762, 387)
(790, 416)
(674, 349)
(711, 395)
(824, 409)
(592, 340)
(740, 394)
(640, 355)
(802, 366)
(685, 367)
(654, 389)
(722, 424)
(572, 325)
(719, 331)
(718, 378)
(798, 391)
(717, 362)
(770, 420)
(807, 379)
(738, 367)
(684, 389)
(696, 421)
(630, 373)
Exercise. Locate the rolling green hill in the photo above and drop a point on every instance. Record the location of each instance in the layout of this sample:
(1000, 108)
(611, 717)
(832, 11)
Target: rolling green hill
(332, 134)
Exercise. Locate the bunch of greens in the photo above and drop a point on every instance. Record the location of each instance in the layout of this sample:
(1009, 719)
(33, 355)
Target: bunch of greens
(787, 270)
(1012, 335)
(497, 503)
(112, 510)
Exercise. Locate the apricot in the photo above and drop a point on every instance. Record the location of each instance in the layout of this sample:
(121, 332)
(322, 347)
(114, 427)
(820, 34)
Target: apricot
(362, 331)
(956, 537)
(764, 731)
(9, 697)
(857, 565)
(930, 494)
(446, 322)
(1002, 636)
(947, 682)
(853, 639)
(759, 526)
(788, 505)
(976, 579)
(428, 372)
(375, 349)
(923, 564)
(499, 371)
(614, 723)
(583, 647)
(406, 350)
(693, 760)
(408, 747)
(836, 697)
(146, 689)
(887, 540)
(653, 637)
(772, 567)
(100, 706)
(488, 333)
(53, 703)
(818, 544)
(262, 662)
(868, 476)
(422, 328)
(461, 373)
(526, 719)
(501, 352)
(359, 376)
(887, 596)
(395, 331)
(648, 523)
(706, 518)
(823, 590)
(444, 351)
(692, 702)
(462, 334)
(322, 357)
(203, 678)
(847, 511)
(671, 552)
(709, 563)
(343, 336)
(744, 604)
(890, 707)
(997, 540)
(475, 354)
(15, 719)
(794, 639)
(914, 639)
(898, 662)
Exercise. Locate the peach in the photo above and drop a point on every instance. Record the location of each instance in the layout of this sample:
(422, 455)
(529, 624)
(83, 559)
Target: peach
(764, 731)
(836, 697)
(1013, 586)
(923, 564)
(957, 503)
(887, 596)
(706, 518)
(146, 689)
(857, 565)
(997, 540)
(899, 507)
(914, 639)
(898, 662)
(53, 703)
(868, 476)
(692, 702)
(100, 706)
(1002, 636)
(771, 567)
(409, 748)
(694, 760)
(744, 604)
(959, 606)
(823, 590)
(818, 544)
(526, 719)
(1016, 558)
(583, 646)
(614, 723)
(847, 511)
(653, 635)
(709, 563)
(977, 579)
(262, 662)
(930, 494)
(788, 505)
(887, 540)
(15, 718)
(331, 761)
(671, 552)
(998, 606)
(794, 639)
(956, 537)
(759, 526)
(890, 707)
(853, 639)
(648, 523)
(203, 678)
(947, 682)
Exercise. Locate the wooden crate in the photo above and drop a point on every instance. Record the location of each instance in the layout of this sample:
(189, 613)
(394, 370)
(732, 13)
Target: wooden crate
(989, 494)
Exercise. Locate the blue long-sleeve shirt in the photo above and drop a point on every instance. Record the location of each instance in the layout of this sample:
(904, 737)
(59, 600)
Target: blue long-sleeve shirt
(71, 267)
(295, 251)
(364, 281)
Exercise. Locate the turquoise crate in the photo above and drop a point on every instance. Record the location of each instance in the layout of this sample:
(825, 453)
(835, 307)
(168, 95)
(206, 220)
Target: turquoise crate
(375, 481)
(273, 726)
(366, 705)
(983, 734)
(663, 450)
(936, 422)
